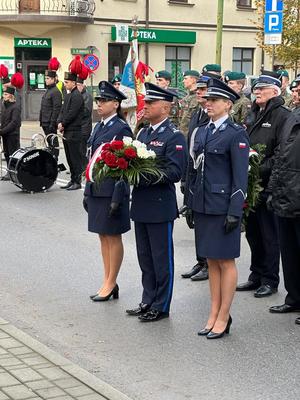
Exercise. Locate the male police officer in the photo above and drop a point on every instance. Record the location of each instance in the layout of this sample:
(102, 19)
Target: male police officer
(163, 80)
(69, 123)
(189, 103)
(154, 207)
(50, 109)
(241, 108)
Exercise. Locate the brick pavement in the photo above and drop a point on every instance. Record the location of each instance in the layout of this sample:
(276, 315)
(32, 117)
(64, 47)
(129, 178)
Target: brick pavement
(30, 371)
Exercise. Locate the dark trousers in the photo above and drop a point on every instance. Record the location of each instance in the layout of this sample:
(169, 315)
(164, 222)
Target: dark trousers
(52, 142)
(263, 237)
(10, 145)
(84, 158)
(289, 234)
(73, 155)
(155, 252)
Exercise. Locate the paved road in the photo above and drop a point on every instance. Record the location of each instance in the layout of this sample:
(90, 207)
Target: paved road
(49, 264)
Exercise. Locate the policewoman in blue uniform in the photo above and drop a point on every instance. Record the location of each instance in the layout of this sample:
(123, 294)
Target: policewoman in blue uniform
(220, 152)
(154, 207)
(107, 202)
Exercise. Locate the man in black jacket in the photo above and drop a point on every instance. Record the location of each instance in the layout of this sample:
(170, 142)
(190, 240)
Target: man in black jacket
(50, 109)
(285, 201)
(265, 124)
(69, 122)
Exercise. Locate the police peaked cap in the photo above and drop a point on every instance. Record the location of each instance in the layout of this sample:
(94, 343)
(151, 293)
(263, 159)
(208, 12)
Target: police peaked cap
(116, 78)
(267, 78)
(192, 72)
(155, 93)
(218, 89)
(109, 92)
(202, 81)
(164, 74)
(211, 68)
(234, 76)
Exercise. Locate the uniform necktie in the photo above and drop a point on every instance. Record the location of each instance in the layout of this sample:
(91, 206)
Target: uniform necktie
(102, 124)
(210, 129)
(150, 130)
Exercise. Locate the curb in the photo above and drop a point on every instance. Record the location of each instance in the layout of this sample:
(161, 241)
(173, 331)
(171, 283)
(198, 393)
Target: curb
(99, 386)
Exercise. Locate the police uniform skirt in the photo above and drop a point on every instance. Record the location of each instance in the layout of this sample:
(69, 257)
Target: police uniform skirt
(211, 239)
(99, 220)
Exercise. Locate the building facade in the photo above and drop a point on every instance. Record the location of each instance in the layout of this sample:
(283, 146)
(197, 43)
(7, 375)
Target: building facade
(173, 34)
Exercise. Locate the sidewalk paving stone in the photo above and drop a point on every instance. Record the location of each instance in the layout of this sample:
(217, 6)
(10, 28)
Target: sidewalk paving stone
(42, 384)
(3, 396)
(7, 380)
(19, 392)
(26, 374)
(48, 393)
(8, 343)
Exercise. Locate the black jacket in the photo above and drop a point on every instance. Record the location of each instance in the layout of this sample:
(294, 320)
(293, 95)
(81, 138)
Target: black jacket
(87, 126)
(10, 119)
(285, 178)
(266, 128)
(71, 115)
(50, 108)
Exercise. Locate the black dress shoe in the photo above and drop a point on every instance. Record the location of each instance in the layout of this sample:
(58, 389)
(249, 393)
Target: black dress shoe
(153, 315)
(297, 321)
(204, 332)
(195, 269)
(70, 183)
(75, 186)
(283, 309)
(5, 177)
(201, 276)
(141, 309)
(215, 335)
(264, 291)
(249, 285)
(93, 295)
(114, 293)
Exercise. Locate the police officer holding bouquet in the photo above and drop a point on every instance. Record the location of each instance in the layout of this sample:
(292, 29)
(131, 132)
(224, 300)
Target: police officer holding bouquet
(154, 206)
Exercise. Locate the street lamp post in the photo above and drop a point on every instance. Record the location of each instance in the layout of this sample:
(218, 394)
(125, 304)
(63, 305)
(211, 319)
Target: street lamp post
(219, 31)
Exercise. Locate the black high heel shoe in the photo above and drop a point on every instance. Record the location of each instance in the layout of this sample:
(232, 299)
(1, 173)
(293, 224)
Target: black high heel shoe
(204, 331)
(114, 293)
(214, 335)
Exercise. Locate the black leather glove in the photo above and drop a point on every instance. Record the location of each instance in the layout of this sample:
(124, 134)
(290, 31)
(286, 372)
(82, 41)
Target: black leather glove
(269, 203)
(85, 203)
(189, 216)
(182, 210)
(114, 208)
(182, 187)
(231, 223)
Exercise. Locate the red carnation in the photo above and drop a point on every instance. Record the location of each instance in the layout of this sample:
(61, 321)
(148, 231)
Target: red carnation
(122, 163)
(117, 145)
(110, 159)
(106, 146)
(130, 153)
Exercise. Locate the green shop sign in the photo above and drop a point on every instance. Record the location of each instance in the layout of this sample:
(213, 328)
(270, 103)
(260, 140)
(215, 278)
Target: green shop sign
(41, 43)
(80, 51)
(158, 35)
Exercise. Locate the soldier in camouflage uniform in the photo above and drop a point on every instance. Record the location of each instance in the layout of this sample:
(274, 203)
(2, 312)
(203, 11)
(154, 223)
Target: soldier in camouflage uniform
(212, 70)
(241, 108)
(295, 89)
(189, 103)
(163, 80)
(284, 77)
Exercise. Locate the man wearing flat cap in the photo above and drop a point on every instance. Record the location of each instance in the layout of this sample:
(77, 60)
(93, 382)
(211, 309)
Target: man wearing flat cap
(154, 206)
(265, 125)
(163, 80)
(241, 108)
(189, 103)
(69, 123)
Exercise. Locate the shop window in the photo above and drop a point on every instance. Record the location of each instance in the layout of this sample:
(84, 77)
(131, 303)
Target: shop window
(244, 3)
(178, 60)
(242, 60)
(117, 55)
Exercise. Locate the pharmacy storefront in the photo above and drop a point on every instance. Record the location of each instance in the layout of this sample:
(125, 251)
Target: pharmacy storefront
(167, 49)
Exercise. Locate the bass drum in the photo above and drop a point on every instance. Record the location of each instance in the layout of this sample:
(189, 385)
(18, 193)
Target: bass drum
(33, 170)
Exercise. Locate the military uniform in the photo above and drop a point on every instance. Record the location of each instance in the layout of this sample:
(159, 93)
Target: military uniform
(240, 110)
(188, 106)
(287, 97)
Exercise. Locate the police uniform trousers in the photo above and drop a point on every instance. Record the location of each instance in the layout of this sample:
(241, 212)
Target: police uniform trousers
(289, 234)
(99, 220)
(155, 252)
(263, 237)
(73, 154)
(212, 241)
(52, 142)
(84, 150)
(10, 145)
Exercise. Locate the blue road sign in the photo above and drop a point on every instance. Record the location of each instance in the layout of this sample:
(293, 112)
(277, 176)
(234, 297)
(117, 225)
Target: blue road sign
(273, 22)
(274, 5)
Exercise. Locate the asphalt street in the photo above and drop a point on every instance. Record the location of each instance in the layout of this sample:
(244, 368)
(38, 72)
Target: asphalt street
(50, 264)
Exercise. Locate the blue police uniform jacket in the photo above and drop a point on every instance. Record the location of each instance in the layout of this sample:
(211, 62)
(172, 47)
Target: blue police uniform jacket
(157, 203)
(219, 183)
(116, 129)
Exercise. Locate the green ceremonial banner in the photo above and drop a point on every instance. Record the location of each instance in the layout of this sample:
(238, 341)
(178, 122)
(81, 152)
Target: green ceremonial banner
(160, 36)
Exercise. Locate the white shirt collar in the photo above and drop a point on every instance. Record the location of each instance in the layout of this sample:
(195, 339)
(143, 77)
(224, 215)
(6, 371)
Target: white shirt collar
(105, 121)
(157, 125)
(219, 121)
